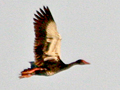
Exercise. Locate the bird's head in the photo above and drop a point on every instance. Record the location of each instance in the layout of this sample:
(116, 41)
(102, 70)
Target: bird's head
(82, 62)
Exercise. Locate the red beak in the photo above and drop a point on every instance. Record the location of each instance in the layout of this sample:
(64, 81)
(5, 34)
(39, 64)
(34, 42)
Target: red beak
(85, 62)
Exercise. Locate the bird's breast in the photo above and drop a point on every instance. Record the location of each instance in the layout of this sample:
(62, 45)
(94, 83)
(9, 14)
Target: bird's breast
(49, 73)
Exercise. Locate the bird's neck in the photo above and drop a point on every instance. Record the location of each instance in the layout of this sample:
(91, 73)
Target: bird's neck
(70, 65)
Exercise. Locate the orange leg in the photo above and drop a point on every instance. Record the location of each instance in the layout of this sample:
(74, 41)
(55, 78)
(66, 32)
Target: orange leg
(30, 71)
(25, 76)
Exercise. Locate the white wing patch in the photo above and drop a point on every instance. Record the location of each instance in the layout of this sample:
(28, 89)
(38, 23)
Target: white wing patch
(54, 39)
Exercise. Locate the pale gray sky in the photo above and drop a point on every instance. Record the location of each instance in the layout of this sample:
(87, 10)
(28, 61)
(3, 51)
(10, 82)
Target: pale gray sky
(90, 30)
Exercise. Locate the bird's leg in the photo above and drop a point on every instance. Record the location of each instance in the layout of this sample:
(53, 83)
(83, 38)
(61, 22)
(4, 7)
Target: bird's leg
(26, 76)
(30, 71)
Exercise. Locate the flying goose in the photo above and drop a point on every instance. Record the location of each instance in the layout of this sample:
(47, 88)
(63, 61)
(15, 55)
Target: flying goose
(47, 47)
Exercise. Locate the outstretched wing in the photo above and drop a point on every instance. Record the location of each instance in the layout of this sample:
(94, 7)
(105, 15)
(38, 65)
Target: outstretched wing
(47, 39)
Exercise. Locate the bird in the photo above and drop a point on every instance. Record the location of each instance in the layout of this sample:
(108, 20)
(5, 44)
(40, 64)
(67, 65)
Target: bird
(47, 47)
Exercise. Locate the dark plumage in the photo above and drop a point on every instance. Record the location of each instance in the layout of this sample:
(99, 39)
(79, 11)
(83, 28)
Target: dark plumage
(47, 47)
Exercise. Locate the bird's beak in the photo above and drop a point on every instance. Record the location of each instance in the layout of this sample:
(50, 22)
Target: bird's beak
(86, 62)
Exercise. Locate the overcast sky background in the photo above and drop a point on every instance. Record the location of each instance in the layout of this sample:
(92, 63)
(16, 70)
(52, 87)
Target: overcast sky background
(90, 30)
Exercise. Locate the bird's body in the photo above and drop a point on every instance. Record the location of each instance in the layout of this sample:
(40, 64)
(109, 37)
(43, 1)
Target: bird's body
(50, 67)
(47, 47)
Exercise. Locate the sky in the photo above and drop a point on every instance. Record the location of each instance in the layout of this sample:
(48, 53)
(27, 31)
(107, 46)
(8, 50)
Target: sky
(90, 30)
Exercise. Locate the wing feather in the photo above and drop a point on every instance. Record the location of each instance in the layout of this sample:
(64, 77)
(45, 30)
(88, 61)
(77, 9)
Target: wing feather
(47, 39)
